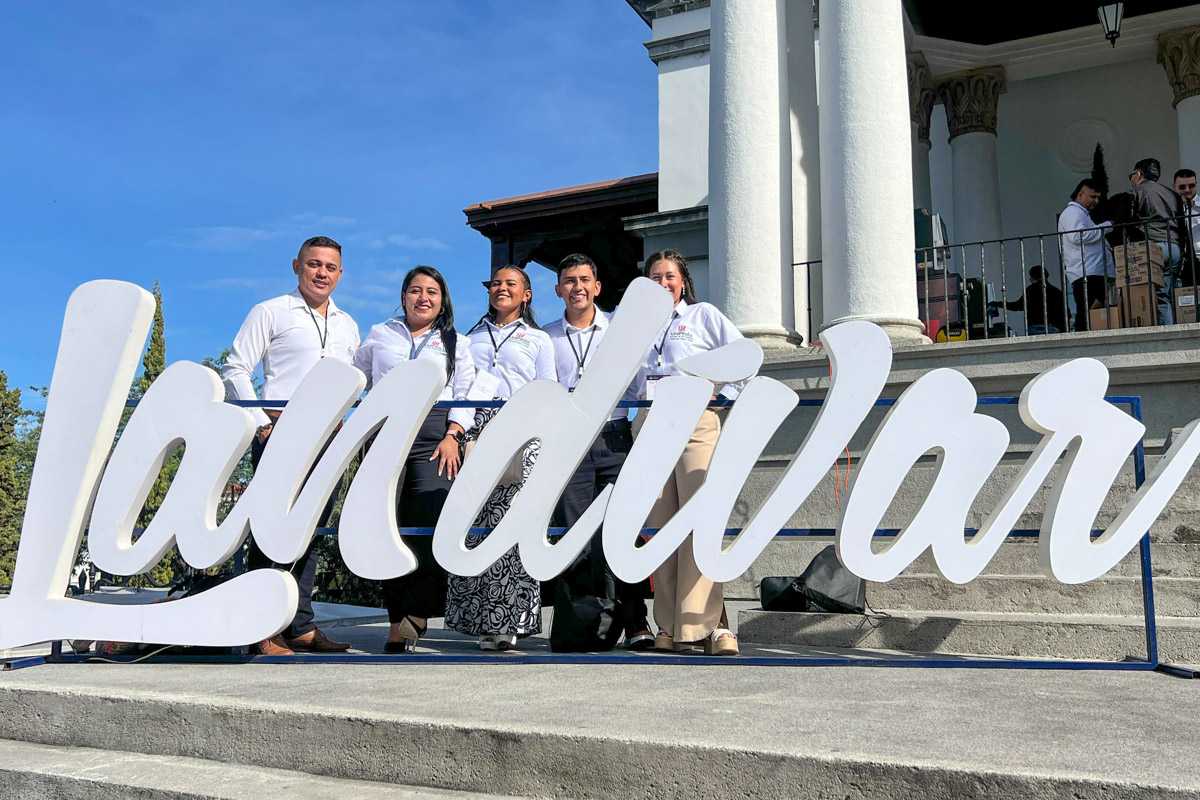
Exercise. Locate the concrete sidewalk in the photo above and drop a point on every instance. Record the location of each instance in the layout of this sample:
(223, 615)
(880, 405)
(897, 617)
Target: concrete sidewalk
(637, 730)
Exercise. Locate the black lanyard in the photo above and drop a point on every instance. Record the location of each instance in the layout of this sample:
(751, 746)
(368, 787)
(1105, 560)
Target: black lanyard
(496, 347)
(658, 348)
(322, 337)
(581, 359)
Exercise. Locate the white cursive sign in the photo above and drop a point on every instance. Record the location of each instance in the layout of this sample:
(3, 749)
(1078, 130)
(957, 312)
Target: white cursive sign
(73, 488)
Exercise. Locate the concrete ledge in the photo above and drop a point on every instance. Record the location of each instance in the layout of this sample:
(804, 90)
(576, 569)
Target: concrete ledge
(1020, 635)
(1119, 596)
(78, 773)
(639, 731)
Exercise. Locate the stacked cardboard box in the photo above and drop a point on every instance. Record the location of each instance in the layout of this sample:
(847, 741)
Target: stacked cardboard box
(1185, 304)
(1140, 262)
(1139, 274)
(1104, 319)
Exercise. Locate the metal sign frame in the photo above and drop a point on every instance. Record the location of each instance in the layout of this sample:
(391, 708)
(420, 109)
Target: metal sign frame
(1150, 663)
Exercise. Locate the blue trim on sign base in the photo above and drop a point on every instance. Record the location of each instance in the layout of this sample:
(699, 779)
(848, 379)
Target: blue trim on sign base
(626, 659)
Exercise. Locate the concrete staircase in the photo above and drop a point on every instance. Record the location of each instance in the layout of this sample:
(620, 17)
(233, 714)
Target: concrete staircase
(591, 730)
(1012, 609)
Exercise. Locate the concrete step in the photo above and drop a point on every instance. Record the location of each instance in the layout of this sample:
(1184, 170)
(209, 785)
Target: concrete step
(595, 730)
(1070, 636)
(1110, 596)
(789, 556)
(36, 770)
(81, 773)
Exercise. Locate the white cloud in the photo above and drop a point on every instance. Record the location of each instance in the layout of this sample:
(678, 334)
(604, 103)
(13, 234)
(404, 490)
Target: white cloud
(407, 242)
(313, 218)
(356, 301)
(219, 237)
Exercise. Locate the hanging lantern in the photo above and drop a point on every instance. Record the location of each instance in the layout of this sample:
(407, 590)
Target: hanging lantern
(1110, 18)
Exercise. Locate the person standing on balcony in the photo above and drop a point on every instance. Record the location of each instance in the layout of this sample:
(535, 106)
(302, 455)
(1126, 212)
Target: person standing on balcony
(1160, 212)
(288, 335)
(1087, 259)
(1185, 187)
(576, 335)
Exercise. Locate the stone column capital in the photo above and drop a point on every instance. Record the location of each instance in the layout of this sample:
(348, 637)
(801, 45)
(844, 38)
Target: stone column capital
(1179, 53)
(972, 99)
(921, 93)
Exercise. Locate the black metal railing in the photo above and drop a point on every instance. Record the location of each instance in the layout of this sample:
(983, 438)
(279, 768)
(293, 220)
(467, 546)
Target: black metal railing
(985, 290)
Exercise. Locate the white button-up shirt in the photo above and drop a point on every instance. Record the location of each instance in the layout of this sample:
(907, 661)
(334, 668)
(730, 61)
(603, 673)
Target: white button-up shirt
(514, 353)
(692, 329)
(1085, 253)
(391, 343)
(573, 351)
(285, 335)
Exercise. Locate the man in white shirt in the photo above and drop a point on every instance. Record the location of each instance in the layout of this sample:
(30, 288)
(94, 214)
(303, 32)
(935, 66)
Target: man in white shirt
(288, 335)
(576, 336)
(1086, 255)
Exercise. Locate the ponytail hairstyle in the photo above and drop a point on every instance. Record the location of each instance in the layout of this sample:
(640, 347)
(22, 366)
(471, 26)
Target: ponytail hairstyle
(526, 308)
(444, 324)
(676, 258)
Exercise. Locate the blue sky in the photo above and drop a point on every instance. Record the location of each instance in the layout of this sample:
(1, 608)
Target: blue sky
(196, 144)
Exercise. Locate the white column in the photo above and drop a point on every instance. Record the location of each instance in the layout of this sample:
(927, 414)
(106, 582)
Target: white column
(805, 172)
(971, 100)
(867, 237)
(1179, 53)
(749, 226)
(921, 96)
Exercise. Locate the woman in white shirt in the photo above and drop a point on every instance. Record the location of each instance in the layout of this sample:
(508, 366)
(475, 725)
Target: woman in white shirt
(689, 609)
(509, 350)
(424, 330)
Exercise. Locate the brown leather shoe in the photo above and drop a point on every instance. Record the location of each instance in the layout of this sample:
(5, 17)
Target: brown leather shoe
(275, 646)
(315, 641)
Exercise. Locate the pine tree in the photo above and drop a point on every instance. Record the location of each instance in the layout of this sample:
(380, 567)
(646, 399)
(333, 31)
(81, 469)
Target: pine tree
(154, 361)
(12, 492)
(1099, 173)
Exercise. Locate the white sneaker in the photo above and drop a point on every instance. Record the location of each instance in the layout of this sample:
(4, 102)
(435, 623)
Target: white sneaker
(497, 642)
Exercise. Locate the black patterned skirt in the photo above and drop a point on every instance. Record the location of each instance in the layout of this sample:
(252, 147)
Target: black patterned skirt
(503, 600)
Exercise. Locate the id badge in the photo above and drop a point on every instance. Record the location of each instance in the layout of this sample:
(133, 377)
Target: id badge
(651, 383)
(484, 387)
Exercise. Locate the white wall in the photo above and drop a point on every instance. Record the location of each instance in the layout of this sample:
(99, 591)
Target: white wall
(682, 117)
(1048, 128)
(683, 132)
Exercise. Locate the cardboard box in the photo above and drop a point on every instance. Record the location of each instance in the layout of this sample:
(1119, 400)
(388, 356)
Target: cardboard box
(1138, 305)
(1098, 320)
(1141, 260)
(1185, 304)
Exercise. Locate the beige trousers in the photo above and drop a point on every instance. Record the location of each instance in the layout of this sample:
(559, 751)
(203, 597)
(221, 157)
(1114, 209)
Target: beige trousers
(687, 605)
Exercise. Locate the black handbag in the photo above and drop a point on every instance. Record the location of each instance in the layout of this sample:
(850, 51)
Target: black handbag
(782, 594)
(583, 623)
(829, 586)
(826, 585)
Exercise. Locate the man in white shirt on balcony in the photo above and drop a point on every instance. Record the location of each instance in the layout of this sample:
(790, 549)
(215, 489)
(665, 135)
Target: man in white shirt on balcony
(1086, 255)
(288, 335)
